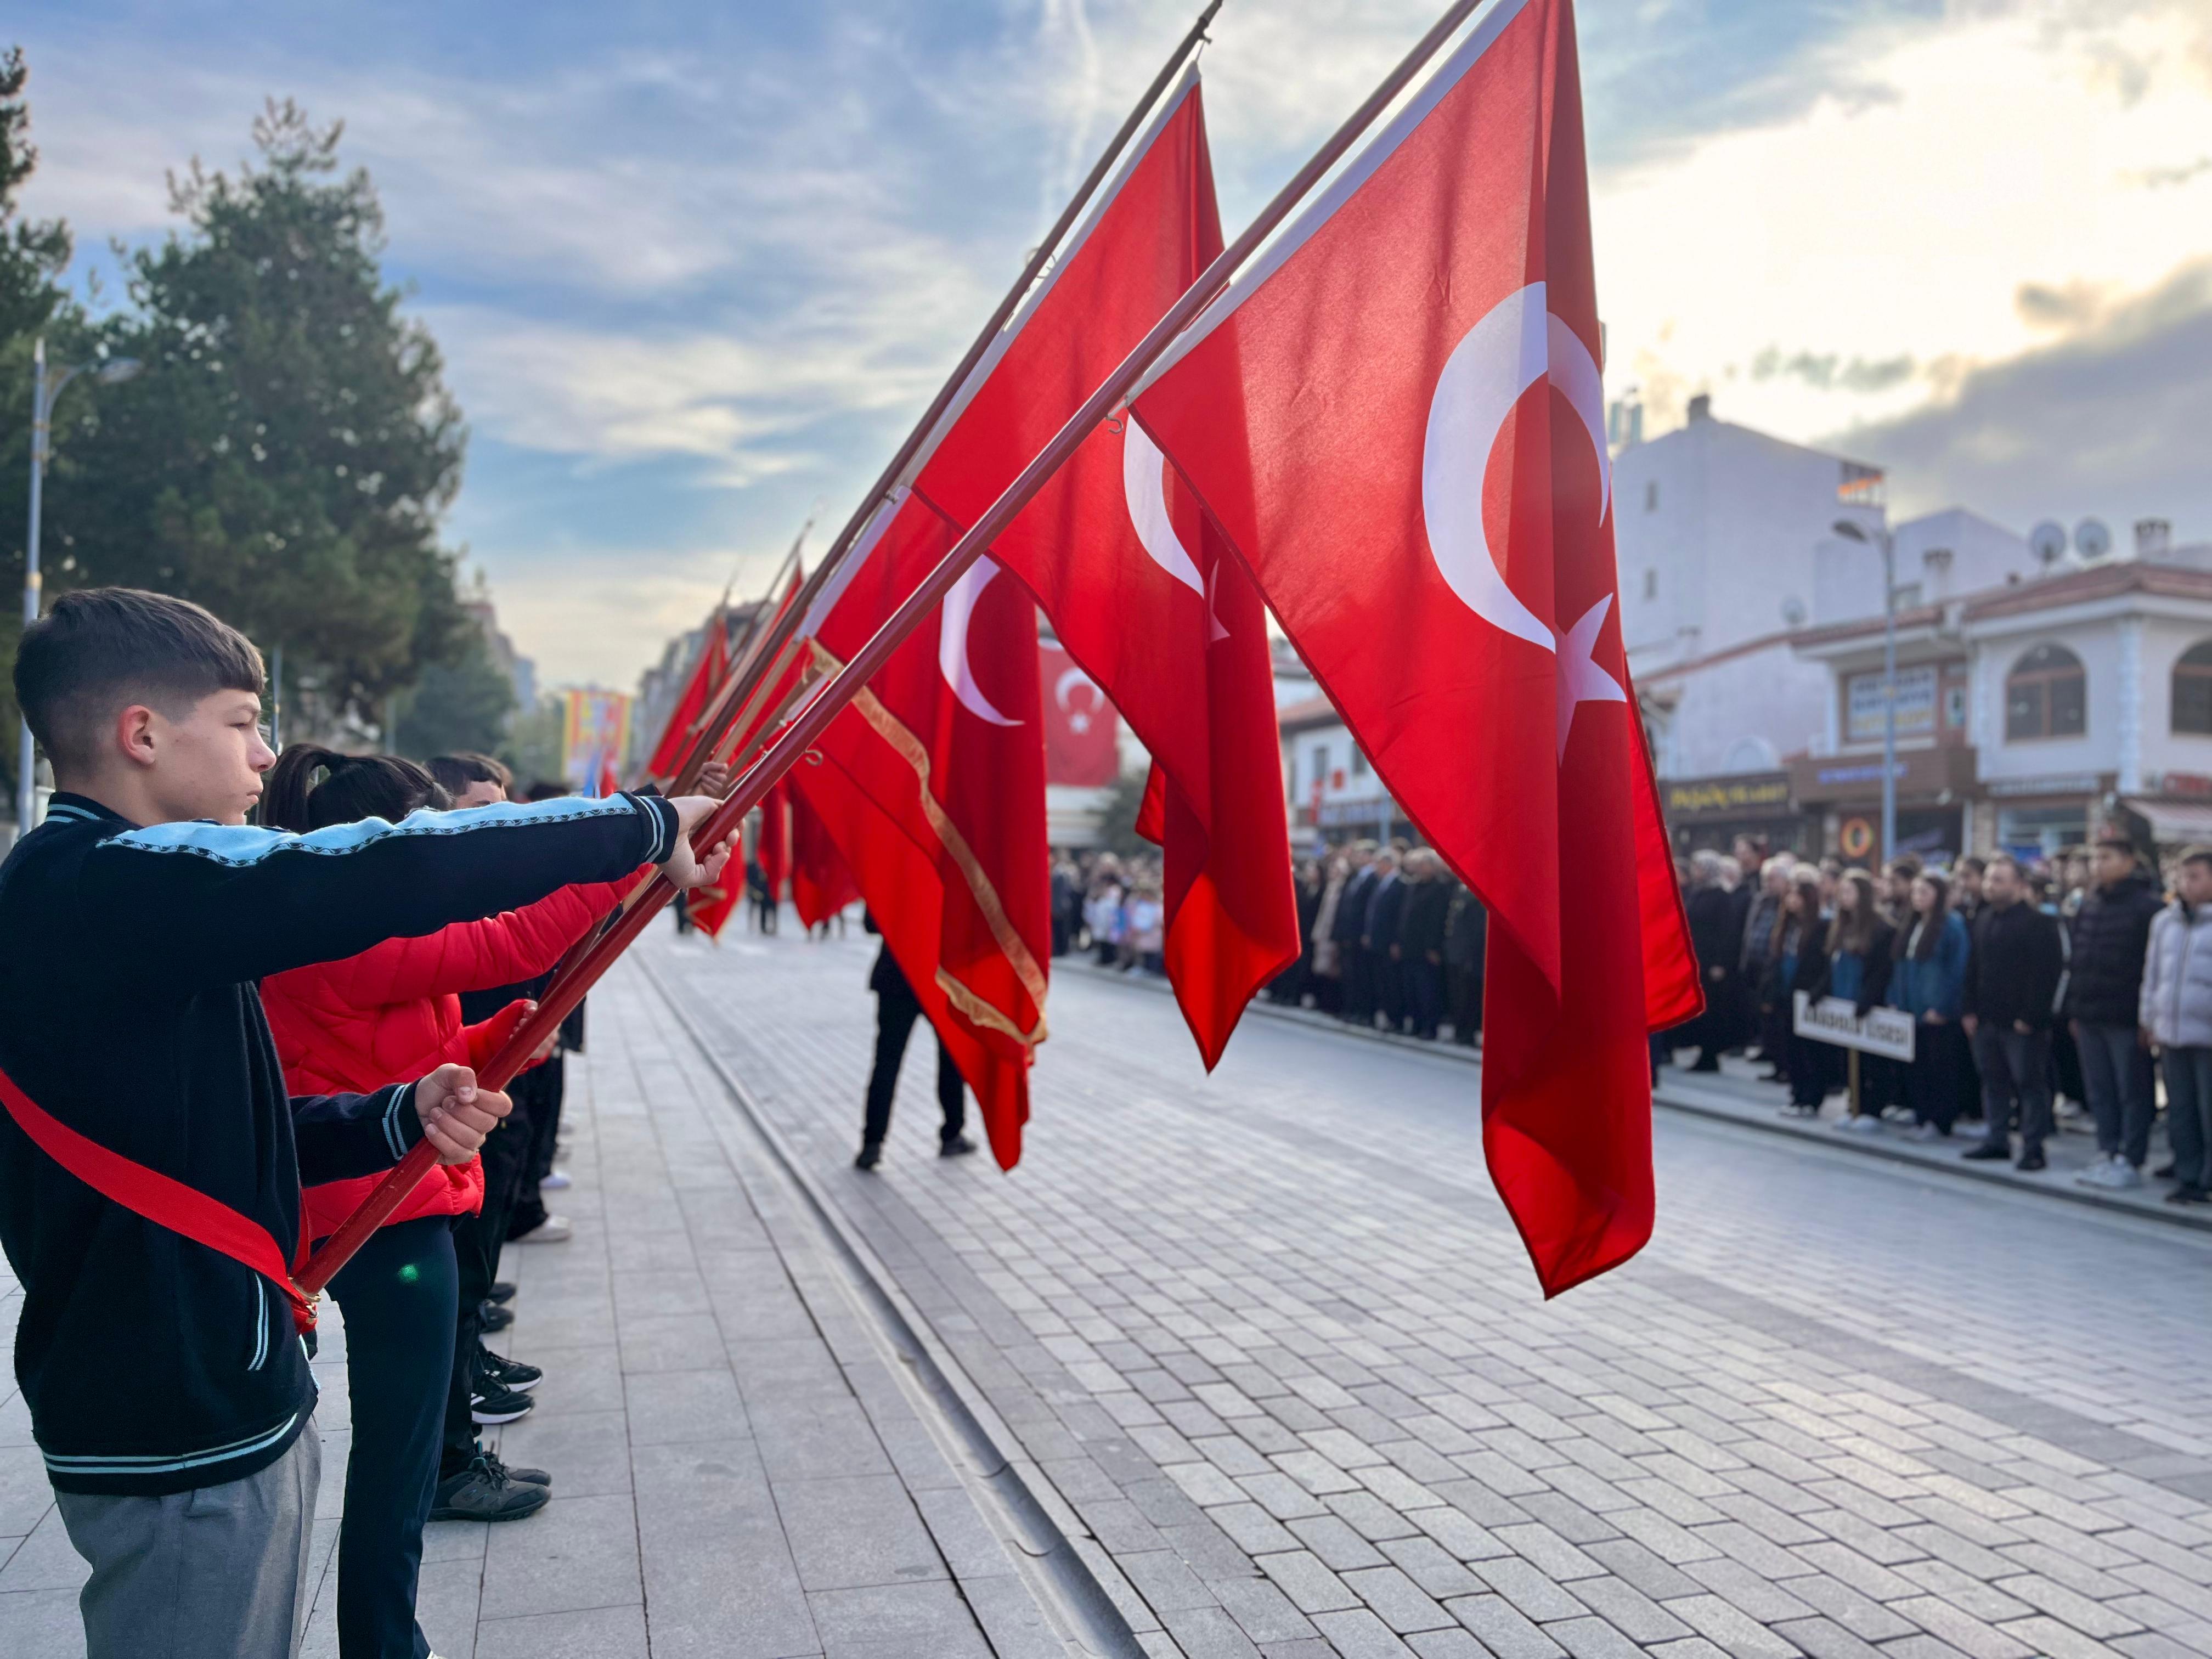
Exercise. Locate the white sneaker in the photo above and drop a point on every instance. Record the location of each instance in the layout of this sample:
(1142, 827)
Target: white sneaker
(554, 1230)
(1866, 1124)
(1924, 1132)
(2125, 1176)
(554, 1182)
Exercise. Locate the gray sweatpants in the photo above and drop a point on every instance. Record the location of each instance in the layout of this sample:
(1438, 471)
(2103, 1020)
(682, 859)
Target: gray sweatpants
(218, 1572)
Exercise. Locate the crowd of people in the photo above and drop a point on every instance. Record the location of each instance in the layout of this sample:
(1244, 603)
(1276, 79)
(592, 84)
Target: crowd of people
(2082, 980)
(228, 1032)
(1387, 937)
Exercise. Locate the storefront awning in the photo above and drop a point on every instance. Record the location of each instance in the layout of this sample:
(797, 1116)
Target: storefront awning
(2176, 823)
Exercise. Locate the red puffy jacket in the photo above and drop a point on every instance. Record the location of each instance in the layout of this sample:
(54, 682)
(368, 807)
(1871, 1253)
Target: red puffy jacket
(393, 1013)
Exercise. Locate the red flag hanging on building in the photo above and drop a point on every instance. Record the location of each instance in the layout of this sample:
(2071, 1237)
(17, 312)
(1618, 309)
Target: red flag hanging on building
(706, 680)
(1082, 732)
(1139, 591)
(1396, 415)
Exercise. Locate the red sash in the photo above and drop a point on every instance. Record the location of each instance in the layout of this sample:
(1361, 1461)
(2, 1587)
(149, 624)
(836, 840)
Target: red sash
(160, 1200)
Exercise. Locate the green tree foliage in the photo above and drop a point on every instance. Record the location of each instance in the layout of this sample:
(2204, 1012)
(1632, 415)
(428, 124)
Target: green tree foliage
(33, 255)
(462, 704)
(288, 454)
(532, 749)
(1118, 820)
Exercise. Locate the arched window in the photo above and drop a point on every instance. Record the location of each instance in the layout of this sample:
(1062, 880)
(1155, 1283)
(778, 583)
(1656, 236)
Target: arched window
(2192, 690)
(1751, 755)
(2046, 696)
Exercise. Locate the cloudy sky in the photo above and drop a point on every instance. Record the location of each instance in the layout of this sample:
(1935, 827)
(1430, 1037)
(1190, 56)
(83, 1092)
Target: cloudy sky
(695, 267)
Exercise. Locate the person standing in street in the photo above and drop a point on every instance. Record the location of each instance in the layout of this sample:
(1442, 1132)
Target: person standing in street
(1378, 939)
(1800, 963)
(2176, 1014)
(1421, 940)
(1927, 983)
(2016, 972)
(898, 1008)
(1466, 935)
(2104, 995)
(1716, 936)
(1762, 920)
(1357, 1003)
(1862, 955)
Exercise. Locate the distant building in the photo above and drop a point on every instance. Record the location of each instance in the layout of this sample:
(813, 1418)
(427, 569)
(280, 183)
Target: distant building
(521, 670)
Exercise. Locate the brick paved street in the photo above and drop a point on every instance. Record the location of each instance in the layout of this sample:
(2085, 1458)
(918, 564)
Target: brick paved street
(1259, 1357)
(1271, 1344)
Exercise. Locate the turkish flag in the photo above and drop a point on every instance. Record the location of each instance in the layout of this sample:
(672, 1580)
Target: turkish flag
(822, 882)
(1082, 732)
(707, 675)
(772, 839)
(932, 786)
(1141, 592)
(1396, 416)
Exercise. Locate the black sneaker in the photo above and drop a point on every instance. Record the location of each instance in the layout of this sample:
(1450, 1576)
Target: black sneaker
(490, 1316)
(2030, 1163)
(506, 1373)
(2186, 1193)
(872, 1153)
(2166, 1171)
(957, 1146)
(527, 1477)
(489, 1403)
(485, 1491)
(502, 1292)
(1988, 1152)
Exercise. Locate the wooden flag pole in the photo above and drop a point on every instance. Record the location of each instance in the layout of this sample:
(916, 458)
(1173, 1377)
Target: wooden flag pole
(812, 720)
(772, 656)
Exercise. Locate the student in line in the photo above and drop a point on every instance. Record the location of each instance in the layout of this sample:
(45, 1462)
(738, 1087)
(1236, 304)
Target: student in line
(150, 1158)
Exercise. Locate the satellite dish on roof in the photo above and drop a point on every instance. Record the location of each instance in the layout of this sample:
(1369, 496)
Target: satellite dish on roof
(2092, 540)
(2047, 541)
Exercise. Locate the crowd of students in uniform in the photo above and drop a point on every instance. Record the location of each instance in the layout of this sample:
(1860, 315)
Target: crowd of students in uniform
(2084, 979)
(240, 986)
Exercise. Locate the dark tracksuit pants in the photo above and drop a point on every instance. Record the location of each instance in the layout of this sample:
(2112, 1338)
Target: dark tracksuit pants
(896, 1013)
(398, 1298)
(549, 1084)
(477, 1242)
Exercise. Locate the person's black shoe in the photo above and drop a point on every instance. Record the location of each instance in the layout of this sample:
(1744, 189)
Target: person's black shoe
(872, 1153)
(485, 1491)
(2029, 1163)
(2186, 1193)
(527, 1477)
(1705, 1063)
(489, 1403)
(959, 1147)
(502, 1292)
(2166, 1171)
(1987, 1153)
(510, 1373)
(490, 1316)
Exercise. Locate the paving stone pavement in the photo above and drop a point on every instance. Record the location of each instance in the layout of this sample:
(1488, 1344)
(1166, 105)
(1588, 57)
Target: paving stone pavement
(1271, 1338)
(738, 1471)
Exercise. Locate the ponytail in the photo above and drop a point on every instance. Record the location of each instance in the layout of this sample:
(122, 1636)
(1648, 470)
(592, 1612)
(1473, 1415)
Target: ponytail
(351, 787)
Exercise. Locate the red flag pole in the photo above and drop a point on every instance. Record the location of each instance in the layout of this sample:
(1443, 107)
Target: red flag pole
(809, 724)
(771, 656)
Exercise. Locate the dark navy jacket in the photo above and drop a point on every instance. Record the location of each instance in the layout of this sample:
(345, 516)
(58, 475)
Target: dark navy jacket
(128, 1010)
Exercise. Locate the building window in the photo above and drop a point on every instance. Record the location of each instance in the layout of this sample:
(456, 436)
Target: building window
(1651, 496)
(1650, 584)
(2192, 690)
(1320, 765)
(2046, 696)
(1358, 762)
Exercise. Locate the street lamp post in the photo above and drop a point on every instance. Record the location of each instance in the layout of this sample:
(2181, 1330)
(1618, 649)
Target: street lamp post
(43, 398)
(1852, 531)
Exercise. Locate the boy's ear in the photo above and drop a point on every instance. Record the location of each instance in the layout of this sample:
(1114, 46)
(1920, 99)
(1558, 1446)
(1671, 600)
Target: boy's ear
(135, 734)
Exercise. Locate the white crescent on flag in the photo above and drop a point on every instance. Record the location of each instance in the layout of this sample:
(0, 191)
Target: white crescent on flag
(1143, 484)
(953, 662)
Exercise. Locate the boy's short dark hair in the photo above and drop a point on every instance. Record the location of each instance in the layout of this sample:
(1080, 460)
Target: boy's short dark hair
(2197, 855)
(455, 773)
(101, 649)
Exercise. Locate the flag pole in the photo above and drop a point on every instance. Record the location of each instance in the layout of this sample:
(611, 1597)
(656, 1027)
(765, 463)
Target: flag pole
(561, 996)
(696, 746)
(772, 657)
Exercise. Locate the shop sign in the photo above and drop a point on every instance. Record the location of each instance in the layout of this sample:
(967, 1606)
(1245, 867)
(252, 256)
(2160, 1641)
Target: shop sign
(2192, 786)
(1884, 1031)
(1758, 792)
(1916, 704)
(2063, 783)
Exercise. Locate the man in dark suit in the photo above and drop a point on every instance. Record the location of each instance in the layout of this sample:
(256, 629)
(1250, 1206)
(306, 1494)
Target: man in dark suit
(1380, 940)
(1350, 923)
(896, 1009)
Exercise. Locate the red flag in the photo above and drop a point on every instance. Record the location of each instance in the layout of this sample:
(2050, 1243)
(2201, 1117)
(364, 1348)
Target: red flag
(822, 882)
(933, 789)
(1082, 732)
(1140, 593)
(772, 839)
(706, 680)
(1396, 415)
(610, 780)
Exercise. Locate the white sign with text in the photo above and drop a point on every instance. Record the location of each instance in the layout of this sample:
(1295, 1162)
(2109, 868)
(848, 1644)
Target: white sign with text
(1884, 1031)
